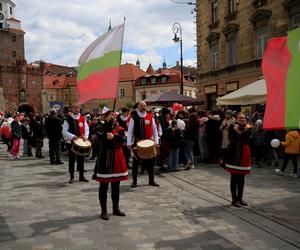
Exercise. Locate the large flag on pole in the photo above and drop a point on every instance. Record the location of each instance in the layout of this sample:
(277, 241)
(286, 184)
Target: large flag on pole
(281, 69)
(98, 75)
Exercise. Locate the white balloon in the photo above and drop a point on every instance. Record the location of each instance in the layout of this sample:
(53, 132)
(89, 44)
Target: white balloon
(275, 143)
(180, 124)
(10, 120)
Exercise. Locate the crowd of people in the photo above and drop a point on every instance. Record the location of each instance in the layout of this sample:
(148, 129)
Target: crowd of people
(227, 138)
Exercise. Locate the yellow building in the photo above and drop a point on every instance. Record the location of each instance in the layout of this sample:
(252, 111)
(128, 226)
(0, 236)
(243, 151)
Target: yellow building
(231, 38)
(162, 80)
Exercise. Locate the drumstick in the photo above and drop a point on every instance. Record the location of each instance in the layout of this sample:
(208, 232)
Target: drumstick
(132, 154)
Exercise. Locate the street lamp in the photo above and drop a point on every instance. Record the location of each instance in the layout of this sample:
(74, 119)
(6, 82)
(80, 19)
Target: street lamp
(176, 27)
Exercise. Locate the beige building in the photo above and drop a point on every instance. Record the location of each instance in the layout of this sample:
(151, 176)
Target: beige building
(231, 38)
(162, 80)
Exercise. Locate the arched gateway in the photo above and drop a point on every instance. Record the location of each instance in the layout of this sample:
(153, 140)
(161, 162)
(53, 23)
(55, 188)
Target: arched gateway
(25, 108)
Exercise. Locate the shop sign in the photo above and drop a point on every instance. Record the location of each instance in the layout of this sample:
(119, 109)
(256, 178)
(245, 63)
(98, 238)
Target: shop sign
(210, 89)
(231, 86)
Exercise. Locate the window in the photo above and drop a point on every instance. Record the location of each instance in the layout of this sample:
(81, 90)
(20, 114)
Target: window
(214, 57)
(55, 82)
(22, 96)
(66, 97)
(144, 81)
(14, 53)
(122, 92)
(153, 80)
(163, 79)
(295, 21)
(231, 49)
(10, 10)
(144, 96)
(231, 7)
(14, 38)
(261, 41)
(214, 12)
(51, 96)
(0, 6)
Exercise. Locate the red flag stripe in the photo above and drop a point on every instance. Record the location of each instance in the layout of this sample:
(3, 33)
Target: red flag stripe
(275, 65)
(99, 85)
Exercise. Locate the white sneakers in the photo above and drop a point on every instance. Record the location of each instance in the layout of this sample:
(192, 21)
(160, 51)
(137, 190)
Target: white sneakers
(13, 157)
(189, 165)
(279, 172)
(10, 156)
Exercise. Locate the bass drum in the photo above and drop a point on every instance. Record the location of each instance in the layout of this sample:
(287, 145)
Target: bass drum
(81, 147)
(146, 149)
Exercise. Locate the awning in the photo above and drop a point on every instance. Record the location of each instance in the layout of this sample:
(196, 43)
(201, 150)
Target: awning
(253, 93)
(169, 98)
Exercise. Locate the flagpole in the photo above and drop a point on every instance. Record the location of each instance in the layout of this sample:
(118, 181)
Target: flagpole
(115, 100)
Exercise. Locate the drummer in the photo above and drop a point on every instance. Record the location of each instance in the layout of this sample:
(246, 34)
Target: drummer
(141, 126)
(75, 126)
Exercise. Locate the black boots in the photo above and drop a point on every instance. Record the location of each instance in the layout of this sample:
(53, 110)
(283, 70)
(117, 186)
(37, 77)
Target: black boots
(104, 215)
(134, 184)
(239, 203)
(116, 210)
(243, 203)
(82, 178)
(235, 204)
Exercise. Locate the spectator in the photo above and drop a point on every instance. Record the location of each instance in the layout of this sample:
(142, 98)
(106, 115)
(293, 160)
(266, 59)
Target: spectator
(174, 137)
(26, 135)
(291, 144)
(16, 137)
(53, 126)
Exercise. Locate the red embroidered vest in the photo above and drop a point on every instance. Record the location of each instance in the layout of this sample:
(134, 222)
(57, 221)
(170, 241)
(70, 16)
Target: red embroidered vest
(81, 122)
(148, 126)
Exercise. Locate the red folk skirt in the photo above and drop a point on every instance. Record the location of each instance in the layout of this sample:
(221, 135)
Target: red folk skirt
(119, 171)
(244, 167)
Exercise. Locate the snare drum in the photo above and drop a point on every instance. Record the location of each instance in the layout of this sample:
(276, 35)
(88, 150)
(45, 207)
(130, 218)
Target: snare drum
(81, 147)
(146, 149)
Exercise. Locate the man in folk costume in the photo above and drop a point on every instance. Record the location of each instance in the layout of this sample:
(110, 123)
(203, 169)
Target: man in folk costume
(141, 126)
(110, 165)
(75, 126)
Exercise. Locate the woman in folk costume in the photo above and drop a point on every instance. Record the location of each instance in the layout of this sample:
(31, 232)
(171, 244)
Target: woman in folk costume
(111, 164)
(238, 158)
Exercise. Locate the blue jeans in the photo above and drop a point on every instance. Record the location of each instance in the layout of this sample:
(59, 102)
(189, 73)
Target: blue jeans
(173, 158)
(188, 151)
(203, 147)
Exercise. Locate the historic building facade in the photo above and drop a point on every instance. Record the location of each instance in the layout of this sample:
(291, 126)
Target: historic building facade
(60, 85)
(164, 79)
(231, 38)
(21, 84)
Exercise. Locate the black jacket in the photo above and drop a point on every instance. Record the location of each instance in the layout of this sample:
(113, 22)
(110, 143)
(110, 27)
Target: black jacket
(53, 126)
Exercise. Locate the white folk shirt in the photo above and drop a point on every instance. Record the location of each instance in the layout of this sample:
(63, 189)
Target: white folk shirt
(130, 132)
(69, 136)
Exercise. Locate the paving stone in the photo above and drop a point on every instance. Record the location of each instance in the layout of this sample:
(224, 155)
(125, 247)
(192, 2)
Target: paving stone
(190, 210)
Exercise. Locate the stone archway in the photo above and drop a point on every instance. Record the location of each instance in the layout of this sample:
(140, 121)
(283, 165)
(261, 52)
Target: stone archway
(25, 108)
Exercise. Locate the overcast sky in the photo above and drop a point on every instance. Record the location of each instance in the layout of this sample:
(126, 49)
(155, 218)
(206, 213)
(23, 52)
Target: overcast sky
(58, 31)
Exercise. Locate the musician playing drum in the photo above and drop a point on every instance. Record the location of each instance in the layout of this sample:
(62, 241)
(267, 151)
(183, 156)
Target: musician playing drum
(141, 126)
(75, 126)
